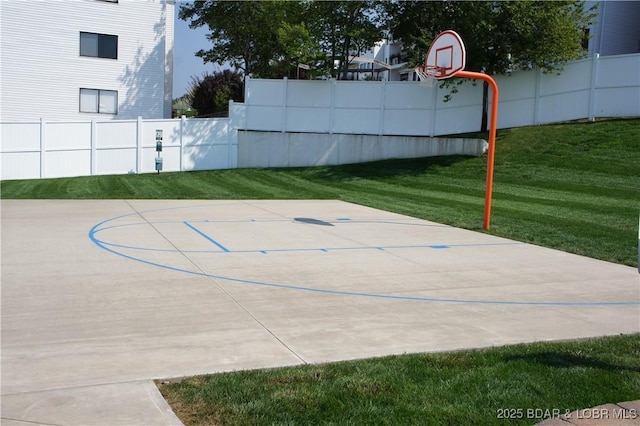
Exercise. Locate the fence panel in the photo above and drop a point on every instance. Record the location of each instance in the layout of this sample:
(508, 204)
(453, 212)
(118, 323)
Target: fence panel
(114, 161)
(575, 77)
(116, 134)
(264, 92)
(20, 136)
(358, 94)
(461, 114)
(517, 99)
(305, 93)
(20, 147)
(619, 71)
(618, 86)
(20, 165)
(405, 95)
(308, 120)
(207, 144)
(357, 121)
(68, 136)
(67, 163)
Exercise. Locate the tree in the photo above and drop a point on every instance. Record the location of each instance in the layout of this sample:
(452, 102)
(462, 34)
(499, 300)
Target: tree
(211, 94)
(270, 38)
(499, 36)
(242, 32)
(345, 29)
(299, 48)
(182, 106)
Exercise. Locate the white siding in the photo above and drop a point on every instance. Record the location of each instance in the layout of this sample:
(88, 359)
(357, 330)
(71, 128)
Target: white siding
(616, 30)
(42, 70)
(622, 28)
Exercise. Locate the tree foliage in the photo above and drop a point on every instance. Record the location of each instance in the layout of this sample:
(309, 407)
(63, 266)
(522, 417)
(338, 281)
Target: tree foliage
(345, 29)
(241, 32)
(499, 36)
(270, 38)
(211, 93)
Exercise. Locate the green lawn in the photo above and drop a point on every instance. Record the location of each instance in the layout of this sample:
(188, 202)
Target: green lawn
(574, 186)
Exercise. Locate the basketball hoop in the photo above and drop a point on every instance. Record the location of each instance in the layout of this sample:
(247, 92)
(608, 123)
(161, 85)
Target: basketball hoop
(446, 58)
(427, 74)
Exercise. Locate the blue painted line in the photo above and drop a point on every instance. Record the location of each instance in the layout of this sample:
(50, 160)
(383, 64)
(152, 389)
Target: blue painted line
(439, 247)
(381, 248)
(208, 238)
(97, 228)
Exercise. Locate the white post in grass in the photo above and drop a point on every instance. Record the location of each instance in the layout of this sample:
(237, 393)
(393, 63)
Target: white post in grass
(43, 148)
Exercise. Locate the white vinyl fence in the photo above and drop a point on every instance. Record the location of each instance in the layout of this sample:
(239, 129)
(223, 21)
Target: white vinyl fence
(597, 87)
(47, 149)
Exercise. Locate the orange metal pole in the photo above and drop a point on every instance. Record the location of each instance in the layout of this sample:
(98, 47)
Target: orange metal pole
(492, 139)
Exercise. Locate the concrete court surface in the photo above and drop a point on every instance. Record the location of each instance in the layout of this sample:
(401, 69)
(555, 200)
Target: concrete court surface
(101, 297)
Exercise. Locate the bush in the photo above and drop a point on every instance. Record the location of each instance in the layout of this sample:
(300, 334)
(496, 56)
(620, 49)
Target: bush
(210, 94)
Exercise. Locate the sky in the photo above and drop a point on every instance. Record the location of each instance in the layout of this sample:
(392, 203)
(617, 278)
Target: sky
(186, 64)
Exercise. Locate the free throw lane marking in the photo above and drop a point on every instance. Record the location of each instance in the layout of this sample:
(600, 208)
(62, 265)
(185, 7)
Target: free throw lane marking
(208, 238)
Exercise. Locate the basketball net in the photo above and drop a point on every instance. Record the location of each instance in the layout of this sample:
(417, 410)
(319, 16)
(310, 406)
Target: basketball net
(427, 74)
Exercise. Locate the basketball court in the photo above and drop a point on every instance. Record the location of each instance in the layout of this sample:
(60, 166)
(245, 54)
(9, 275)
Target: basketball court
(101, 297)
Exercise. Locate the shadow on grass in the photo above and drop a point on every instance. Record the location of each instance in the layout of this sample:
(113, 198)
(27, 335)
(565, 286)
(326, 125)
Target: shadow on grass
(565, 360)
(389, 168)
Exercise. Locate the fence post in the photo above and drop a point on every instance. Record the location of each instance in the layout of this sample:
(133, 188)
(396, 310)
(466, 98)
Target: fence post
(230, 136)
(434, 105)
(332, 104)
(94, 144)
(382, 101)
(43, 146)
(285, 89)
(139, 136)
(183, 122)
(247, 110)
(536, 100)
(594, 80)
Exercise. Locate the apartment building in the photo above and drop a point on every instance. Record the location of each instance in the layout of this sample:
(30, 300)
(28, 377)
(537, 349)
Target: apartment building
(93, 59)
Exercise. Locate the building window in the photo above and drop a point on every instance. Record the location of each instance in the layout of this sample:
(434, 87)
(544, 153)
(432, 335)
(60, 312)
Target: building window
(585, 39)
(99, 45)
(99, 101)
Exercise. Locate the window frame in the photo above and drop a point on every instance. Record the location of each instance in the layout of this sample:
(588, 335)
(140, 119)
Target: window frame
(103, 48)
(98, 103)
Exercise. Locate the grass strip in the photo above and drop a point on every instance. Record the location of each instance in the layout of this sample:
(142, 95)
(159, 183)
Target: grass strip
(519, 384)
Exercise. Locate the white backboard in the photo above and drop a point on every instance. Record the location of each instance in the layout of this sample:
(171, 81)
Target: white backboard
(447, 53)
